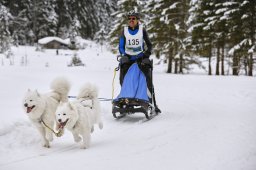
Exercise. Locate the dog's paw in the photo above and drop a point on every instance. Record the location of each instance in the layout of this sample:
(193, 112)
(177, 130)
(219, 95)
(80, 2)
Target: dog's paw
(100, 125)
(46, 145)
(77, 139)
(83, 146)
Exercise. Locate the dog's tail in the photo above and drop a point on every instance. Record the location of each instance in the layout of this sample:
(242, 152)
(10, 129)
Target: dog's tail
(88, 91)
(60, 87)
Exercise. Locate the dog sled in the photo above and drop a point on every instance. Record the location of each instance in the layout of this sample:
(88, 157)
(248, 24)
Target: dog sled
(134, 96)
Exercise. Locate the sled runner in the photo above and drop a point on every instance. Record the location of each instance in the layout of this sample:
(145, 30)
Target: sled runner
(134, 96)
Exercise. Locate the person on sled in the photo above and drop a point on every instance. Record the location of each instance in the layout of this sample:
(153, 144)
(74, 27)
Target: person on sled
(132, 49)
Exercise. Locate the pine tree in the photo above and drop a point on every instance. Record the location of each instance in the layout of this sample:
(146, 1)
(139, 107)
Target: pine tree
(218, 25)
(221, 30)
(21, 22)
(46, 19)
(215, 27)
(105, 9)
(202, 29)
(242, 15)
(64, 18)
(167, 24)
(160, 33)
(5, 36)
(249, 18)
(85, 13)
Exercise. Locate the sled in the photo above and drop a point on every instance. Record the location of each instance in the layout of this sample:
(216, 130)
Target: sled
(133, 97)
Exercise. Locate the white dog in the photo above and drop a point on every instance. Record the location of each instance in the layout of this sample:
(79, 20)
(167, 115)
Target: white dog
(88, 96)
(80, 115)
(40, 108)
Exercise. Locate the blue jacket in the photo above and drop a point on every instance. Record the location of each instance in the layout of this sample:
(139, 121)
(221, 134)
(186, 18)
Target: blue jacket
(122, 41)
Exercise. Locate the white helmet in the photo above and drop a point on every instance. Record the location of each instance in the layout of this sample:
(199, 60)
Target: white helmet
(133, 13)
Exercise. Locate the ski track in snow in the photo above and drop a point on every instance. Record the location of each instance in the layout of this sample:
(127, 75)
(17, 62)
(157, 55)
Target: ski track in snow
(21, 132)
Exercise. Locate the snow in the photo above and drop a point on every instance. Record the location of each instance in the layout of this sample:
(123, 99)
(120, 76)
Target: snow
(49, 39)
(238, 46)
(174, 5)
(245, 16)
(80, 42)
(245, 3)
(210, 18)
(221, 10)
(194, 26)
(225, 17)
(229, 3)
(230, 12)
(164, 11)
(207, 122)
(207, 12)
(251, 50)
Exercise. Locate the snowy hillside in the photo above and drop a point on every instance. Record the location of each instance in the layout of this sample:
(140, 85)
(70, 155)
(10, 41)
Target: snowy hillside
(207, 122)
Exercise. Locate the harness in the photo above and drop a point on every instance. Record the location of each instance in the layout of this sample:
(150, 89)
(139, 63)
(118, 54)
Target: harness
(57, 134)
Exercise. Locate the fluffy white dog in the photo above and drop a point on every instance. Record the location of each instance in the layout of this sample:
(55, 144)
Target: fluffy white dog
(80, 115)
(88, 96)
(40, 108)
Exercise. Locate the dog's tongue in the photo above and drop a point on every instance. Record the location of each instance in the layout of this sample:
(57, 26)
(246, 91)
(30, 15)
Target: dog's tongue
(61, 125)
(29, 109)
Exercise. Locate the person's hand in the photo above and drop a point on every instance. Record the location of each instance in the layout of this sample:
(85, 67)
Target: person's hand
(118, 58)
(120, 55)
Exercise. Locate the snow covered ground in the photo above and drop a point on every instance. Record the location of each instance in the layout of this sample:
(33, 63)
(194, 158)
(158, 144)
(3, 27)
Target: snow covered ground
(207, 122)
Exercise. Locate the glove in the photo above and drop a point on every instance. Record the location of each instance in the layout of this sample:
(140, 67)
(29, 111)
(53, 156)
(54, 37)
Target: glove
(147, 54)
(120, 56)
(124, 59)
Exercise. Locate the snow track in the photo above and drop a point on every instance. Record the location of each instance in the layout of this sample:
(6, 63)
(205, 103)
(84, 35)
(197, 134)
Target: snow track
(25, 139)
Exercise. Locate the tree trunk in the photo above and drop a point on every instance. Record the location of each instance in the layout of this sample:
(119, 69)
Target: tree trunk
(209, 50)
(245, 62)
(209, 65)
(222, 60)
(1, 43)
(181, 64)
(169, 69)
(235, 65)
(176, 66)
(250, 65)
(210, 61)
(218, 61)
(252, 28)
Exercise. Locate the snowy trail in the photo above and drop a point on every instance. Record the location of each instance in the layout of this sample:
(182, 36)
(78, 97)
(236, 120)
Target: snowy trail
(176, 137)
(20, 133)
(206, 123)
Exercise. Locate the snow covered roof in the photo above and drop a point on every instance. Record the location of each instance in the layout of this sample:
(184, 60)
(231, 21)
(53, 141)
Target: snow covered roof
(49, 39)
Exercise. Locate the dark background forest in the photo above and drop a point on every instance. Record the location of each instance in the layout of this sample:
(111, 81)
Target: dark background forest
(184, 32)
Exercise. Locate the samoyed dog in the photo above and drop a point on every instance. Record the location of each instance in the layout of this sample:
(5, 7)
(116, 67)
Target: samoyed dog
(40, 108)
(80, 115)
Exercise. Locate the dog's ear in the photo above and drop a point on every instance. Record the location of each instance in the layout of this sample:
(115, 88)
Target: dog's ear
(37, 93)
